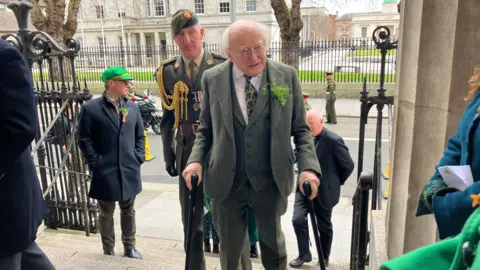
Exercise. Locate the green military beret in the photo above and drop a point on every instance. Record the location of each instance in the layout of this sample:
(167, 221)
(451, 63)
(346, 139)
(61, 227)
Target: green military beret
(183, 18)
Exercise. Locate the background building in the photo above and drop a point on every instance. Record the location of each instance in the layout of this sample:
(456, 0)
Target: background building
(147, 22)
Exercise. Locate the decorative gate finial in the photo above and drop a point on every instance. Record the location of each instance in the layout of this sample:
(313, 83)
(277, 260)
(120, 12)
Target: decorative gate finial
(21, 9)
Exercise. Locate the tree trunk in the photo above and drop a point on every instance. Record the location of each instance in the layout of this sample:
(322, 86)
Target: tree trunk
(53, 23)
(290, 23)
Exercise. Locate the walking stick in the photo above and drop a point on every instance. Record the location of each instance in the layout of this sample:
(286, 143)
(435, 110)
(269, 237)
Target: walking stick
(313, 219)
(191, 212)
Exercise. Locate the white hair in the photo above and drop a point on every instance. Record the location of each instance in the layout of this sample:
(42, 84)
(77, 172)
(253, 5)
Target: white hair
(262, 28)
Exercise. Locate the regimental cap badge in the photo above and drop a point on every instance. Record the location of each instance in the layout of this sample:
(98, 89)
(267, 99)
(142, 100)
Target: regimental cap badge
(187, 15)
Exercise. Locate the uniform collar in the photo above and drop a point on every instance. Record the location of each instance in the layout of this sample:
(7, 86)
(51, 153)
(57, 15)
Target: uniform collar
(198, 59)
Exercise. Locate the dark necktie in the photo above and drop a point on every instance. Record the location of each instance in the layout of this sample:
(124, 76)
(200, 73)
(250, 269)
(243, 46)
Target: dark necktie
(250, 95)
(193, 71)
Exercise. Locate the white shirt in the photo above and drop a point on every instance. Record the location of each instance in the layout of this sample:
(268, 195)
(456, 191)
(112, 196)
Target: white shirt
(239, 82)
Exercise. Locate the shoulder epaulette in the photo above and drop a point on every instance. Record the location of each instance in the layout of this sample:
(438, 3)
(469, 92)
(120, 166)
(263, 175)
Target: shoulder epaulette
(218, 56)
(168, 61)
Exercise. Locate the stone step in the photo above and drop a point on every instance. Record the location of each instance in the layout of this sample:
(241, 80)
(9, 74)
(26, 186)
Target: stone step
(73, 250)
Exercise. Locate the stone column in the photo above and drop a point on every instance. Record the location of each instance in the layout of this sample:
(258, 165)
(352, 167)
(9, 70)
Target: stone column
(438, 51)
(129, 47)
(157, 47)
(142, 56)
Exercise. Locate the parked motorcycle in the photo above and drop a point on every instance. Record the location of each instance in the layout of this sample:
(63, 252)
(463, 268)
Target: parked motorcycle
(148, 110)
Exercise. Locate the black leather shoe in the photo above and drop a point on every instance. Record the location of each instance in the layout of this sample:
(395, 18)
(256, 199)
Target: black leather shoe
(253, 251)
(109, 252)
(206, 246)
(215, 248)
(133, 254)
(300, 260)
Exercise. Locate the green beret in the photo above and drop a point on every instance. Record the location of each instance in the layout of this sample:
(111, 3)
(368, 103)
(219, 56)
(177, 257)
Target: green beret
(183, 18)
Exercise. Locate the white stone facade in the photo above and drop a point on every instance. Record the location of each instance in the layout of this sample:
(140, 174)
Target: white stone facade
(147, 22)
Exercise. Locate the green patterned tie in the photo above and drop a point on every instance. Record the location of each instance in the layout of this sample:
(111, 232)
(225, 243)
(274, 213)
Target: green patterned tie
(250, 95)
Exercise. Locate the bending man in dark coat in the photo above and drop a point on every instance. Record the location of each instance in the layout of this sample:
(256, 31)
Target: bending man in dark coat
(337, 165)
(110, 135)
(22, 206)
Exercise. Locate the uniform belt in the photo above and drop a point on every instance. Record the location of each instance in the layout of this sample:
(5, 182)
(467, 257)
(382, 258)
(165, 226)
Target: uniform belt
(188, 129)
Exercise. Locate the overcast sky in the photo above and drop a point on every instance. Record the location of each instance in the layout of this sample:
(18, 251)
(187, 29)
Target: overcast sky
(346, 6)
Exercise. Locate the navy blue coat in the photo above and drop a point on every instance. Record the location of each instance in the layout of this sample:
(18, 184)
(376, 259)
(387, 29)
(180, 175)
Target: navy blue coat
(22, 208)
(113, 150)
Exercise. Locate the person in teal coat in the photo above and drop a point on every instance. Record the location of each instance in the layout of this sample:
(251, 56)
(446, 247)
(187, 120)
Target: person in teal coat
(452, 207)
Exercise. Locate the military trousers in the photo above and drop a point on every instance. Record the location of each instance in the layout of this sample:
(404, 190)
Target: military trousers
(330, 111)
(197, 258)
(127, 223)
(231, 218)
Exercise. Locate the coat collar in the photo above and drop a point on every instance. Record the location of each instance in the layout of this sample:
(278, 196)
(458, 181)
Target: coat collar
(109, 106)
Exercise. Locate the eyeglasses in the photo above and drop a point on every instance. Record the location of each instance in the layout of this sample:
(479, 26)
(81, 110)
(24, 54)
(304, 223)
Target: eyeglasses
(126, 82)
(248, 51)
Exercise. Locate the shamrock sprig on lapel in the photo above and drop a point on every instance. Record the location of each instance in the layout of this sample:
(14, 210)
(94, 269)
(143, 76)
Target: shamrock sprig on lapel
(124, 112)
(279, 92)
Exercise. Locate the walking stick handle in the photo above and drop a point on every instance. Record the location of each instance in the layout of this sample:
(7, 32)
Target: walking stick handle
(307, 189)
(194, 181)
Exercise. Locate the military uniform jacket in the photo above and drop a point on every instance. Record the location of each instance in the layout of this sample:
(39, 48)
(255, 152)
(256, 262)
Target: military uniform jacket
(174, 71)
(330, 88)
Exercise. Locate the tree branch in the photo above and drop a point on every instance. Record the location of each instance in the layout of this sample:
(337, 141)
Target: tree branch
(296, 16)
(281, 12)
(70, 26)
(37, 17)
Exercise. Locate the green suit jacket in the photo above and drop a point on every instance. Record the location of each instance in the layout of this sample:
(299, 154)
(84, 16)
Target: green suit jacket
(450, 254)
(216, 133)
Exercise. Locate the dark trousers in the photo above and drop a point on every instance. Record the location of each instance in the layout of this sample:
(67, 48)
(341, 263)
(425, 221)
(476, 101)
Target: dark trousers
(197, 258)
(32, 258)
(231, 218)
(127, 223)
(300, 225)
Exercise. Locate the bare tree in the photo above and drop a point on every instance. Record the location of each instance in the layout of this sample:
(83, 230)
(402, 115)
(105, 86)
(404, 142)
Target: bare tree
(55, 18)
(290, 23)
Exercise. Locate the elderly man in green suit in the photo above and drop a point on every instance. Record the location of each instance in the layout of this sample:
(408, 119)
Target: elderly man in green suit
(180, 91)
(251, 108)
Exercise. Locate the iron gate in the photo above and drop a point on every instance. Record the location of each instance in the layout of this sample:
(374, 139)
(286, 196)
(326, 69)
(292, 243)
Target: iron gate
(59, 95)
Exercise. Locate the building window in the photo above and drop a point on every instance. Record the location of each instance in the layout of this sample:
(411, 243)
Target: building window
(344, 28)
(251, 5)
(199, 6)
(120, 42)
(101, 46)
(99, 12)
(121, 14)
(364, 32)
(224, 6)
(156, 8)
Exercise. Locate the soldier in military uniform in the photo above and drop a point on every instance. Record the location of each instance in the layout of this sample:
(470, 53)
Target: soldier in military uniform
(305, 101)
(330, 98)
(180, 90)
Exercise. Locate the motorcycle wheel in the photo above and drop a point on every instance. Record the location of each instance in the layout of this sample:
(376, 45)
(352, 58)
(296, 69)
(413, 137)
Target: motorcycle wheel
(156, 125)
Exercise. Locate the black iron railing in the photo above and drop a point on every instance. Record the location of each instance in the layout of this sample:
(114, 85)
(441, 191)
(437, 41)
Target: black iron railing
(351, 60)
